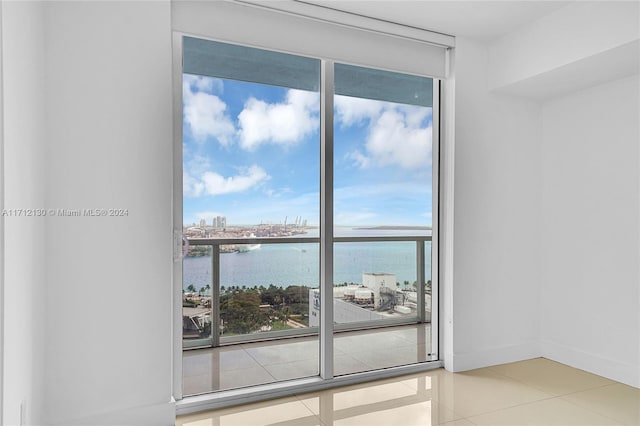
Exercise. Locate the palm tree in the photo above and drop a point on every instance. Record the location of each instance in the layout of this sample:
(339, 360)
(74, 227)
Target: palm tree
(191, 288)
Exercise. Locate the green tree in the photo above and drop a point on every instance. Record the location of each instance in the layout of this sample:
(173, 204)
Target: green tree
(191, 288)
(240, 312)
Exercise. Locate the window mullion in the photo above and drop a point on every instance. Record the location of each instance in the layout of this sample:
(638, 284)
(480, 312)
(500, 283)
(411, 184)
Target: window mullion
(326, 219)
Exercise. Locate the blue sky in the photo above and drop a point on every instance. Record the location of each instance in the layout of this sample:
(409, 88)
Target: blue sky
(251, 153)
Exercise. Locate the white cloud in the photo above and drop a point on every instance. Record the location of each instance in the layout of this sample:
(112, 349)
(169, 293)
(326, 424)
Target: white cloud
(203, 84)
(284, 123)
(204, 112)
(393, 141)
(197, 181)
(196, 166)
(191, 187)
(278, 193)
(351, 111)
(396, 133)
(216, 184)
(359, 159)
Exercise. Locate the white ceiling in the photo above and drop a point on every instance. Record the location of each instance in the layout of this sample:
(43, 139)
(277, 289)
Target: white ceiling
(480, 20)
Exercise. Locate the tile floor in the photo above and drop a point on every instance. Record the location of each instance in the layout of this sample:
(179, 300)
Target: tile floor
(535, 392)
(229, 367)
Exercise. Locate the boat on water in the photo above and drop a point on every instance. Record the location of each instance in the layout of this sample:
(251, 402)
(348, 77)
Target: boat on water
(245, 248)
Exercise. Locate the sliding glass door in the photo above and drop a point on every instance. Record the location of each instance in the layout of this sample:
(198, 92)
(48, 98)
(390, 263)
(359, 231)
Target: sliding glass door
(255, 217)
(383, 216)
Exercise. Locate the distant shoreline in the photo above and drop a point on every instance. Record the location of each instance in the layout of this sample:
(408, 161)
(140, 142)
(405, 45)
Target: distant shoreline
(396, 228)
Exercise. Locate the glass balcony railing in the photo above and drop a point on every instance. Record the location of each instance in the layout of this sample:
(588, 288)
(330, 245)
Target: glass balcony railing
(250, 289)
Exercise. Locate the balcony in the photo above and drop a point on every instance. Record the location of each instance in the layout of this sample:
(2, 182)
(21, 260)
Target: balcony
(247, 364)
(378, 322)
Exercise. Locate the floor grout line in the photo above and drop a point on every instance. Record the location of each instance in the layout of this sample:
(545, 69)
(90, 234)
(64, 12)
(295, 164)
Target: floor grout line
(589, 409)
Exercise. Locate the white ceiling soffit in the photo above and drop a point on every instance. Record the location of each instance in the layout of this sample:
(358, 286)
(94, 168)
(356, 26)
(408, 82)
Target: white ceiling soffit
(480, 20)
(612, 64)
(327, 11)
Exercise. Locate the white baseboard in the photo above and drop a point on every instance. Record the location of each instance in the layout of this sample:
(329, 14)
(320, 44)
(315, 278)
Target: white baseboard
(494, 356)
(163, 414)
(622, 372)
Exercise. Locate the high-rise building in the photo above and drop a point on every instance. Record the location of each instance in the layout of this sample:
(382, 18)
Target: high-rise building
(219, 222)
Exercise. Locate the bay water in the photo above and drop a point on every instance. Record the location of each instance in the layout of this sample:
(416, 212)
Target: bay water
(298, 264)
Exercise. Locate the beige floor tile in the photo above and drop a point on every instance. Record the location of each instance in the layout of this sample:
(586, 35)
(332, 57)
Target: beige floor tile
(420, 381)
(550, 376)
(420, 413)
(476, 398)
(460, 422)
(618, 401)
(379, 403)
(551, 412)
(356, 396)
(480, 391)
(283, 411)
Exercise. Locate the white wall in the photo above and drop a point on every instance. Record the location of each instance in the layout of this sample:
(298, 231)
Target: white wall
(547, 215)
(590, 304)
(496, 247)
(109, 145)
(23, 250)
(87, 124)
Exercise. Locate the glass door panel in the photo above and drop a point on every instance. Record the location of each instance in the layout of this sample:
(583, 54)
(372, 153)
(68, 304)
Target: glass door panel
(251, 173)
(382, 187)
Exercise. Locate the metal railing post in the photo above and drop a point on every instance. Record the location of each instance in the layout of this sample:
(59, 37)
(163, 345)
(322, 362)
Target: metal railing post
(215, 295)
(420, 283)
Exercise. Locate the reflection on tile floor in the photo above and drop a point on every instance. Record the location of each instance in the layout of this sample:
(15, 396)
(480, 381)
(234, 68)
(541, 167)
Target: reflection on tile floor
(229, 367)
(534, 392)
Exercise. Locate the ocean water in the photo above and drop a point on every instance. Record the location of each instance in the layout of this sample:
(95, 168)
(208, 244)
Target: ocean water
(298, 264)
